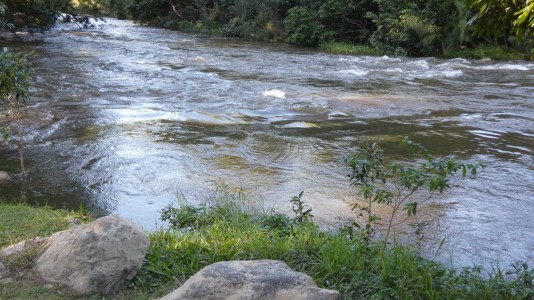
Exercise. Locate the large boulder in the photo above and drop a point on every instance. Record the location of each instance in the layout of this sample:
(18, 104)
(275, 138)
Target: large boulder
(94, 258)
(249, 280)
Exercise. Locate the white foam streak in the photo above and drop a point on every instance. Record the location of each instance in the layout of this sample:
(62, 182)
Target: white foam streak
(275, 93)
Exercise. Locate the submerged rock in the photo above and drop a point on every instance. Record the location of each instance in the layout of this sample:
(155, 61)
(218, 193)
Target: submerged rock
(94, 258)
(4, 177)
(250, 280)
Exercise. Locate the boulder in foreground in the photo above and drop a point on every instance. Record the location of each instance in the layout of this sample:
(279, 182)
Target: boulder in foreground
(94, 258)
(250, 280)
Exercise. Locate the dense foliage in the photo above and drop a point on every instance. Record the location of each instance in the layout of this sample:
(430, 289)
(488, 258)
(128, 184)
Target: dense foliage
(35, 15)
(414, 27)
(503, 19)
(39, 15)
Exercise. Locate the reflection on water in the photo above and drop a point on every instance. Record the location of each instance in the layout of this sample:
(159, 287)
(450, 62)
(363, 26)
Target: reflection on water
(123, 117)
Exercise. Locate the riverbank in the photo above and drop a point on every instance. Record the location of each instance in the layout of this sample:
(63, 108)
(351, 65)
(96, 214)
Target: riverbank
(223, 230)
(479, 52)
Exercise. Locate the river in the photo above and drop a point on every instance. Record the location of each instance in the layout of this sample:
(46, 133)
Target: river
(122, 118)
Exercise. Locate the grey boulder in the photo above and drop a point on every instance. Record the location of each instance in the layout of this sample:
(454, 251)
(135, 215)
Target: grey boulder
(250, 280)
(94, 258)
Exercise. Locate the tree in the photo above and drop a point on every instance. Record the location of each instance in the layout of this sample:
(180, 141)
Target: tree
(414, 28)
(14, 85)
(497, 19)
(3, 17)
(33, 14)
(303, 27)
(348, 20)
(40, 15)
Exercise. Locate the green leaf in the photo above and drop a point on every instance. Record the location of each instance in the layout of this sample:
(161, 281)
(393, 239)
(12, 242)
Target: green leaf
(411, 208)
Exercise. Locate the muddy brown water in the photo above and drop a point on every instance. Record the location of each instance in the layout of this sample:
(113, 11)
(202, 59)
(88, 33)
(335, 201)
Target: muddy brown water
(124, 117)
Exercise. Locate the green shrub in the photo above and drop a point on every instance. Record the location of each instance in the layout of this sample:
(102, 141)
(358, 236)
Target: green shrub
(233, 28)
(413, 28)
(402, 186)
(348, 20)
(303, 27)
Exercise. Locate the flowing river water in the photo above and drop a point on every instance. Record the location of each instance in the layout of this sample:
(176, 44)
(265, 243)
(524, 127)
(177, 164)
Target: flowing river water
(122, 118)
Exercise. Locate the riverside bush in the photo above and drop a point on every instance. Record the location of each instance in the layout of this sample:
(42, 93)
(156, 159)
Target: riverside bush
(402, 186)
(14, 88)
(304, 28)
(357, 269)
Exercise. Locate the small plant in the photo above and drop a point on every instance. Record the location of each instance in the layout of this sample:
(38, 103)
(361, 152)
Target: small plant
(222, 205)
(183, 216)
(302, 213)
(402, 187)
(277, 222)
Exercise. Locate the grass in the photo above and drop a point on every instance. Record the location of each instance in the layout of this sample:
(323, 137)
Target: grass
(348, 48)
(20, 222)
(211, 233)
(486, 51)
(227, 227)
(479, 52)
(27, 289)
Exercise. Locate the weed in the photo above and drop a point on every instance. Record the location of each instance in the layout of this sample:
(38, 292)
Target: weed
(302, 213)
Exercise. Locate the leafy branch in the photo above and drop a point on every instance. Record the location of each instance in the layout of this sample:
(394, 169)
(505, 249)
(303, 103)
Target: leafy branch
(403, 187)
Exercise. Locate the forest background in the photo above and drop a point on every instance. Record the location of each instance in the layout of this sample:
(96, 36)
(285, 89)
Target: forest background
(407, 28)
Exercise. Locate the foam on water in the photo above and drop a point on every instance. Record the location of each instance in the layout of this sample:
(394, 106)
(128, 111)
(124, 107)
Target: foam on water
(274, 93)
(357, 72)
(510, 67)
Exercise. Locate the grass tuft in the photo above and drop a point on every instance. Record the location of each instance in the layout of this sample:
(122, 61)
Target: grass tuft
(352, 49)
(21, 222)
